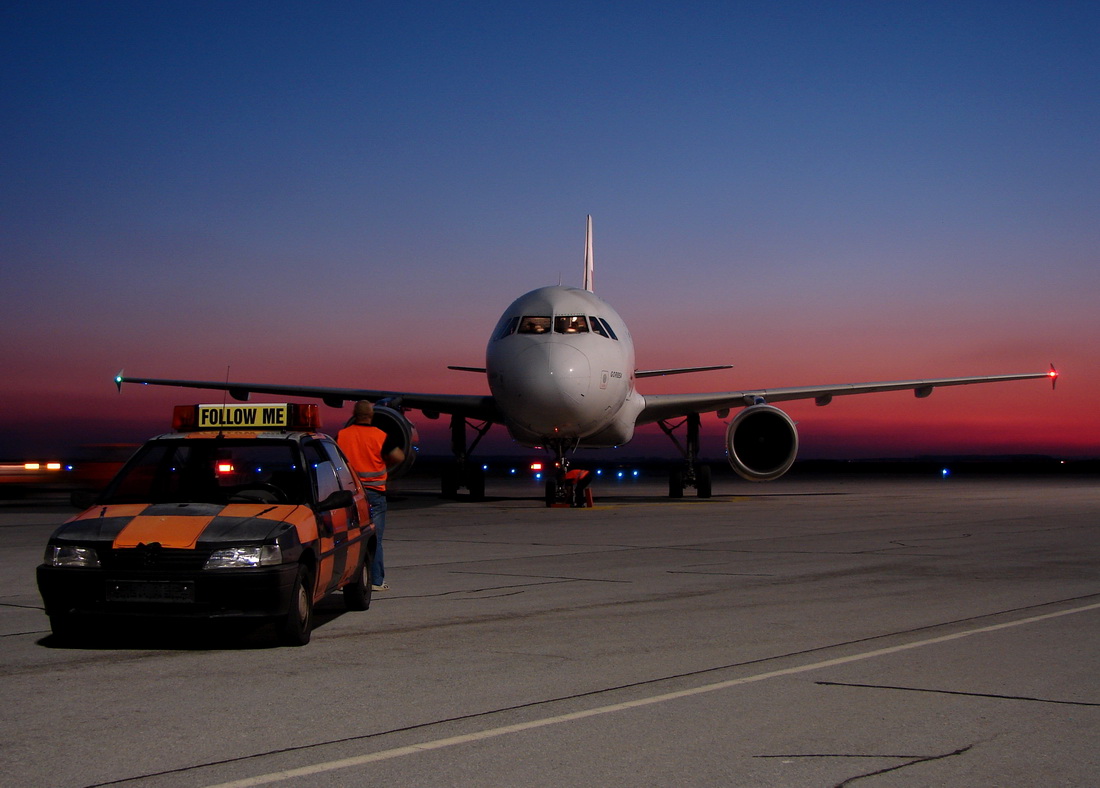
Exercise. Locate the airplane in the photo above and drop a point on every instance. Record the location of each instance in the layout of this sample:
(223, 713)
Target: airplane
(560, 368)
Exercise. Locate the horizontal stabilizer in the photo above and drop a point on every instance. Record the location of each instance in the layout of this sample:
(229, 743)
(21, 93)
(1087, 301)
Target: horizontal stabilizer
(467, 369)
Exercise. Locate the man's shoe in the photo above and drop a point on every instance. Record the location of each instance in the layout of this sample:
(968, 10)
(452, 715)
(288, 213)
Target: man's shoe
(383, 587)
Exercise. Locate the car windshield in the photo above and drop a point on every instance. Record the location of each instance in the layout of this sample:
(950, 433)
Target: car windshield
(212, 471)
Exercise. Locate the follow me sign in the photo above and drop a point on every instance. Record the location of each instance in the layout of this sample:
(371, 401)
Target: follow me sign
(276, 416)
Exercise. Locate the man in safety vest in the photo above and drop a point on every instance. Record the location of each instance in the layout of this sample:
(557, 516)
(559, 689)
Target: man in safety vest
(371, 458)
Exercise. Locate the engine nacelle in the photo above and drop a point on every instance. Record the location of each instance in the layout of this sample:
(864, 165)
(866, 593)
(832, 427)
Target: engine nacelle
(762, 443)
(401, 432)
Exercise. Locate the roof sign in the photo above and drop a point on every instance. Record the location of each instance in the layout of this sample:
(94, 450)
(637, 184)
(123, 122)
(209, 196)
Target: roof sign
(253, 417)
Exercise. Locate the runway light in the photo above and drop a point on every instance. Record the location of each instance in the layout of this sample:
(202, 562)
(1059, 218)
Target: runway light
(945, 472)
(635, 474)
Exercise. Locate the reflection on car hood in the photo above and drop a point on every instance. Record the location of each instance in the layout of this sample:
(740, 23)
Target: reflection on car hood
(177, 525)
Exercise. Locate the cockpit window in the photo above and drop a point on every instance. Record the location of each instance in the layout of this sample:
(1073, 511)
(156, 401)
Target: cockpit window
(605, 324)
(571, 324)
(506, 328)
(534, 325)
(598, 327)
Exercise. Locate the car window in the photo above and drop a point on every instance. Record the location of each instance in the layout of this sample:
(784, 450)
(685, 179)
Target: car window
(210, 471)
(340, 464)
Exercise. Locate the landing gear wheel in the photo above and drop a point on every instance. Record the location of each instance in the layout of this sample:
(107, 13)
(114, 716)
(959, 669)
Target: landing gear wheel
(475, 483)
(676, 484)
(297, 625)
(702, 481)
(450, 482)
(358, 592)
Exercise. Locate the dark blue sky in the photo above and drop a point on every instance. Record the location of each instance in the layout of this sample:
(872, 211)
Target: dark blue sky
(350, 193)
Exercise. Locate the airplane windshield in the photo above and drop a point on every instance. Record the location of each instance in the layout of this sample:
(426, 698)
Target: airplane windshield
(570, 324)
(534, 325)
(559, 324)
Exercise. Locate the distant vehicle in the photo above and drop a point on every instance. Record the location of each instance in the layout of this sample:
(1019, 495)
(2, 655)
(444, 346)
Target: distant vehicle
(18, 479)
(245, 511)
(560, 366)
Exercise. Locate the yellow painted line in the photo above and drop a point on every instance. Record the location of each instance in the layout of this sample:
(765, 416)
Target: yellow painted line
(504, 730)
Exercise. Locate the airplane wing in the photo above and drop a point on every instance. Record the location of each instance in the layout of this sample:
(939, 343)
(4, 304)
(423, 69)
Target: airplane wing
(667, 406)
(482, 408)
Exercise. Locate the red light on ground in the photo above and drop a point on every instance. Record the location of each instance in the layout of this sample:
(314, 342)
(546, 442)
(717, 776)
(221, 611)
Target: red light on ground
(225, 467)
(536, 466)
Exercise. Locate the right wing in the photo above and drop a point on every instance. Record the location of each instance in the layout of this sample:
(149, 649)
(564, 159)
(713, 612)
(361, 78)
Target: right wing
(482, 408)
(667, 406)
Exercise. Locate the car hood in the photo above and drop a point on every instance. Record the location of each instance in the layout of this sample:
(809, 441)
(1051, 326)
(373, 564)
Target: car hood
(178, 525)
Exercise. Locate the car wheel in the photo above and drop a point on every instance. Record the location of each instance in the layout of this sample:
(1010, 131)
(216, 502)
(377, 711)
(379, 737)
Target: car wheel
(357, 593)
(296, 626)
(67, 628)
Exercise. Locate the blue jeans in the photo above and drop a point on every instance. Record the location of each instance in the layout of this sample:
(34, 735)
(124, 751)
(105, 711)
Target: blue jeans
(377, 501)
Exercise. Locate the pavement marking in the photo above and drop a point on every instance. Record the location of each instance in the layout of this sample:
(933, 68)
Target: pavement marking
(504, 730)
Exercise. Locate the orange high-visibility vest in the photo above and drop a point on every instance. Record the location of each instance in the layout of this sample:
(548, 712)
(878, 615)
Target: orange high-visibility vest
(362, 444)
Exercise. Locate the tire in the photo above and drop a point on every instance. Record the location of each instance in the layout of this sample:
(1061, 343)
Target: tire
(475, 483)
(67, 628)
(358, 592)
(676, 484)
(702, 481)
(449, 482)
(297, 625)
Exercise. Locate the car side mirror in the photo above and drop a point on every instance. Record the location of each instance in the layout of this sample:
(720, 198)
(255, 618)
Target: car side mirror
(338, 500)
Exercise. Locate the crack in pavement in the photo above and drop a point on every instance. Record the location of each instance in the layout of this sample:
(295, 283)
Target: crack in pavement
(958, 692)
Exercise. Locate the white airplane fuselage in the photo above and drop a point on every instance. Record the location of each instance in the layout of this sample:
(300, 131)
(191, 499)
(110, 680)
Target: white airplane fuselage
(560, 365)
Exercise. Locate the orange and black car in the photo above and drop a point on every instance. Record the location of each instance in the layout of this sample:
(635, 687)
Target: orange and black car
(245, 511)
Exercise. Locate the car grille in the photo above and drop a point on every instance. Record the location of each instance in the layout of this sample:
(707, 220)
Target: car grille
(147, 557)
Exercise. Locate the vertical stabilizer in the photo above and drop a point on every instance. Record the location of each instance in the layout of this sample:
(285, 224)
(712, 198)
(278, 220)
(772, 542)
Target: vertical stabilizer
(588, 256)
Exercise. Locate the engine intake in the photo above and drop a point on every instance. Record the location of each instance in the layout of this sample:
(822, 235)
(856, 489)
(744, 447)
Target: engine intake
(762, 443)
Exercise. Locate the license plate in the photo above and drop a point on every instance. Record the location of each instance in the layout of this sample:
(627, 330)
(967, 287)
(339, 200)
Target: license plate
(151, 591)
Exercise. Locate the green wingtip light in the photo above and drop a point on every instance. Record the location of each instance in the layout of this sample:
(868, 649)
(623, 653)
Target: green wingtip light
(118, 380)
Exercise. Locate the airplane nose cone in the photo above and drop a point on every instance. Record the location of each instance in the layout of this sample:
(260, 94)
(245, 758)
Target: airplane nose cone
(555, 399)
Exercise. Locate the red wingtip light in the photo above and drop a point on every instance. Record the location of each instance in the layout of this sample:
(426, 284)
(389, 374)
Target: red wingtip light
(1053, 375)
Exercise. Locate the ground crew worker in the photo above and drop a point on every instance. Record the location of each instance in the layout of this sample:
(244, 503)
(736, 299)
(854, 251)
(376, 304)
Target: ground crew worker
(579, 480)
(371, 458)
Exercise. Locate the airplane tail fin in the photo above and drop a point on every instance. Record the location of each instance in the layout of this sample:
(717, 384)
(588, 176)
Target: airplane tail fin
(588, 256)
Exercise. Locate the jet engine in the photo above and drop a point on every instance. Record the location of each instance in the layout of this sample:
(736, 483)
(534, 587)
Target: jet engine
(762, 443)
(399, 431)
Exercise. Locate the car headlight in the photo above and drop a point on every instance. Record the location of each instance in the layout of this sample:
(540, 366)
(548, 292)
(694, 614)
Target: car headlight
(71, 555)
(250, 556)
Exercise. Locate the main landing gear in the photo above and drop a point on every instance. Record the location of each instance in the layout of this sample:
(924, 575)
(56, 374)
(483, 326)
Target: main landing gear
(465, 472)
(692, 473)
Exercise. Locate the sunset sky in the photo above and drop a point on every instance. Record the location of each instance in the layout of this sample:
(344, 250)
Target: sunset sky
(350, 193)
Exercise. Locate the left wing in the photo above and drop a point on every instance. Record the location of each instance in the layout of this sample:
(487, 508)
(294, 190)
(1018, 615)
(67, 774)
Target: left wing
(482, 408)
(667, 406)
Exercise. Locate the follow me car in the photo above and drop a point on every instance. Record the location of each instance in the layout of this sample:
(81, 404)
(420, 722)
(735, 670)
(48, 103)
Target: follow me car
(244, 511)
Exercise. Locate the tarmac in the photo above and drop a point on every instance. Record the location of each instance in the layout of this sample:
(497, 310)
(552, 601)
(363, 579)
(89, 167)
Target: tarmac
(828, 631)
